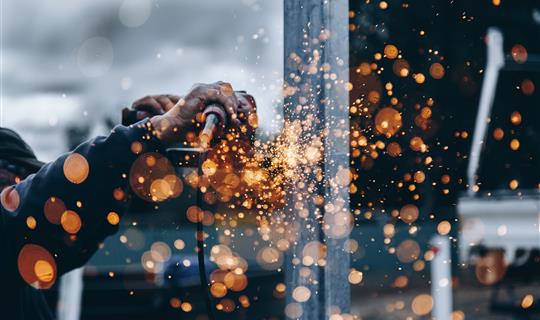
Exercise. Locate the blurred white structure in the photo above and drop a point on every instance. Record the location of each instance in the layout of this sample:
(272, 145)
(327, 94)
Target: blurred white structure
(500, 222)
(70, 295)
(495, 61)
(441, 278)
(503, 221)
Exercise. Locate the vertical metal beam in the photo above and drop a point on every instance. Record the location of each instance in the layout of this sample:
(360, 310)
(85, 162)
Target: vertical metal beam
(441, 278)
(338, 220)
(495, 62)
(316, 80)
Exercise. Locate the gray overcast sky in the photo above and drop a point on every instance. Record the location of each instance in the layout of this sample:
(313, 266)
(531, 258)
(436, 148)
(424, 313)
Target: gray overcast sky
(74, 62)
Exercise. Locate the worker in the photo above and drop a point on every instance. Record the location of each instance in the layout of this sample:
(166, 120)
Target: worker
(53, 220)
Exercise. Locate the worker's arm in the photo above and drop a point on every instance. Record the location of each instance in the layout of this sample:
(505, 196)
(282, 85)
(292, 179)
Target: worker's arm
(63, 208)
(54, 220)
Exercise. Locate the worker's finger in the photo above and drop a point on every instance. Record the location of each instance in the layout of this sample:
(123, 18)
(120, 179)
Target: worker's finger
(174, 98)
(148, 104)
(229, 99)
(165, 102)
(220, 93)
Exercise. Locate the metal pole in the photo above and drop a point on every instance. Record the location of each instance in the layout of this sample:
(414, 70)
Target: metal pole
(495, 61)
(316, 81)
(70, 295)
(441, 278)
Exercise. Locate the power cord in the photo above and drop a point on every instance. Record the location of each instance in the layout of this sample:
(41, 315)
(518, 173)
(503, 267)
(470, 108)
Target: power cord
(200, 248)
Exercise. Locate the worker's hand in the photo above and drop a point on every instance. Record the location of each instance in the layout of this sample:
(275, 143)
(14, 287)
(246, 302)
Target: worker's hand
(148, 107)
(178, 120)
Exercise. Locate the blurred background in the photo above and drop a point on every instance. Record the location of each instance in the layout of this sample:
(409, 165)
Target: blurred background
(74, 65)
(428, 60)
(69, 67)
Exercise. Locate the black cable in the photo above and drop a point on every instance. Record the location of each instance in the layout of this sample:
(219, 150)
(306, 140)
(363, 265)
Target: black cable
(200, 248)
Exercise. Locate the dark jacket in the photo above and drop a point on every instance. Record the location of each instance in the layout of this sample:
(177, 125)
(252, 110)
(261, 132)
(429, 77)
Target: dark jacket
(37, 247)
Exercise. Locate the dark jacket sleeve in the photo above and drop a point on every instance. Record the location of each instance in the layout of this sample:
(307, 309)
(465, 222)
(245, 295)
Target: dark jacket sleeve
(90, 183)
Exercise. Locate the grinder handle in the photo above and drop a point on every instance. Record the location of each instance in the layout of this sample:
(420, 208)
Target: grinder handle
(215, 120)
